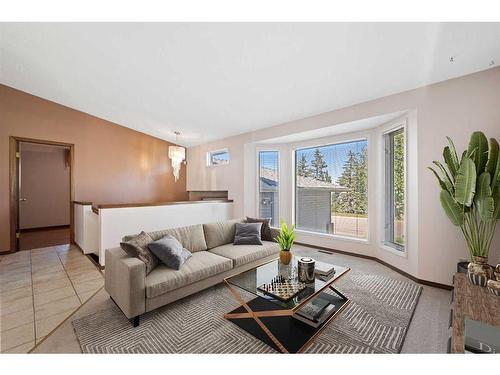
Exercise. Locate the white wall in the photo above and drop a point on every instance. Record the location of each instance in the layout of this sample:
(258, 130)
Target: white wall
(114, 223)
(456, 108)
(86, 226)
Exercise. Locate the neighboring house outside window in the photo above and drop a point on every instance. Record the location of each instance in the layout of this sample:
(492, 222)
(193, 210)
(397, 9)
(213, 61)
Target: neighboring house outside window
(331, 189)
(269, 186)
(314, 204)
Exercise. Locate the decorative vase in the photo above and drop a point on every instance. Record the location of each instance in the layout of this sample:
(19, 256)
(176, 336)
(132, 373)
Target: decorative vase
(285, 256)
(479, 271)
(306, 267)
(494, 287)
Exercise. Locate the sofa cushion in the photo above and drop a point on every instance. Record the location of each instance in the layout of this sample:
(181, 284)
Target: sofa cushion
(242, 254)
(191, 237)
(138, 247)
(169, 251)
(220, 233)
(247, 234)
(199, 266)
(265, 231)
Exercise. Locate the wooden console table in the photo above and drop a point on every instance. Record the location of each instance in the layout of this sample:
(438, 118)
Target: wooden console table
(473, 302)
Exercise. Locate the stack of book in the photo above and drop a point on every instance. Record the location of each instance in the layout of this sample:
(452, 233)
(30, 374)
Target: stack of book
(315, 312)
(481, 337)
(324, 271)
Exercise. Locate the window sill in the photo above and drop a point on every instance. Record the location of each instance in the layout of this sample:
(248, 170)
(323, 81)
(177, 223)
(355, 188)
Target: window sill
(333, 236)
(401, 253)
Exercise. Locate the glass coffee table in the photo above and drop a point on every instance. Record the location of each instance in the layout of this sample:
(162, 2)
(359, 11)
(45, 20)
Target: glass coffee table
(286, 324)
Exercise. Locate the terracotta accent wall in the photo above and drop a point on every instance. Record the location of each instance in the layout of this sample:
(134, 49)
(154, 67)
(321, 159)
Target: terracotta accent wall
(113, 164)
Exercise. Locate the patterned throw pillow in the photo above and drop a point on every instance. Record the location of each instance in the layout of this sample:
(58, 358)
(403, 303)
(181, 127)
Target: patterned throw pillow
(265, 232)
(138, 247)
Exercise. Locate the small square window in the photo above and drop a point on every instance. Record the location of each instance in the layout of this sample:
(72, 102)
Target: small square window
(219, 157)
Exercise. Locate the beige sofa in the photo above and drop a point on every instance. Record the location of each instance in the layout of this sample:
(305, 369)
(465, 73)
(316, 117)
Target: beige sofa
(214, 258)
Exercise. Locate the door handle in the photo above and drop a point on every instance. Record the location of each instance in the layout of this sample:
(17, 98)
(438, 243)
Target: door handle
(22, 199)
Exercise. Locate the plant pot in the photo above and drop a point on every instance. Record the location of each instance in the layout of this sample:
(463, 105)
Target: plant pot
(494, 287)
(285, 256)
(479, 271)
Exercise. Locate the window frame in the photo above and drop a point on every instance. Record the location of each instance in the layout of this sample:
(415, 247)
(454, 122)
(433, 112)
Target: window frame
(388, 208)
(332, 141)
(219, 151)
(257, 181)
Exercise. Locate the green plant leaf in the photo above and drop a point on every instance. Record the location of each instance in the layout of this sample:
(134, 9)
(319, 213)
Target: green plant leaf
(479, 143)
(483, 189)
(452, 209)
(483, 199)
(496, 198)
(465, 184)
(486, 208)
(453, 152)
(495, 176)
(471, 154)
(286, 237)
(491, 164)
(441, 182)
(464, 154)
(451, 161)
(446, 179)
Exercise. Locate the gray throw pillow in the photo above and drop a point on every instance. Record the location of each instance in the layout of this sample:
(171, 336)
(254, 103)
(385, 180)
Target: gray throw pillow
(265, 232)
(138, 247)
(247, 234)
(170, 251)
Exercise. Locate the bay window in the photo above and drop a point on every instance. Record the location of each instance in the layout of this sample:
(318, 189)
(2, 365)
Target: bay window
(331, 189)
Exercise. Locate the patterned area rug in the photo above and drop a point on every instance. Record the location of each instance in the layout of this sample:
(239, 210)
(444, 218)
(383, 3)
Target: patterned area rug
(376, 321)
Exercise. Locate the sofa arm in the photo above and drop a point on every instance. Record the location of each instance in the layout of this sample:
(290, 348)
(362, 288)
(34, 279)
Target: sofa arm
(274, 233)
(125, 281)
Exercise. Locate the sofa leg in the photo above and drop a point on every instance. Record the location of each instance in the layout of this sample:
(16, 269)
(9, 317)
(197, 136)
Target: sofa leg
(136, 321)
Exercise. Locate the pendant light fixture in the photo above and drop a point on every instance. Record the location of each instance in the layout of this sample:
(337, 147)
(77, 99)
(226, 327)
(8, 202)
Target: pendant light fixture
(177, 154)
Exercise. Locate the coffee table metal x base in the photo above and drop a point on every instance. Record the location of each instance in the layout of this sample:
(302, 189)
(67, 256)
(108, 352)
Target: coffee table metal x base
(272, 313)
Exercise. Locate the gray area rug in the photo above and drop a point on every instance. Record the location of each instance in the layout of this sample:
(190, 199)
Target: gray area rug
(376, 321)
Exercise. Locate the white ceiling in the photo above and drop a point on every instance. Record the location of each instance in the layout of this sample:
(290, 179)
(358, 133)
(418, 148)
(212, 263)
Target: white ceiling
(213, 80)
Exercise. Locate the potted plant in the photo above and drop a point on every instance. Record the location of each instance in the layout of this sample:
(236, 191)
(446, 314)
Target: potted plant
(470, 196)
(285, 240)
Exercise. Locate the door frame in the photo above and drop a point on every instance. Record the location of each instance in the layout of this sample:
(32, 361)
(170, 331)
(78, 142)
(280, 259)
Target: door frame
(14, 181)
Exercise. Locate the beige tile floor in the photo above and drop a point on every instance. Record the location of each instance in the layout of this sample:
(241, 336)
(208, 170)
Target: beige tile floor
(39, 289)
